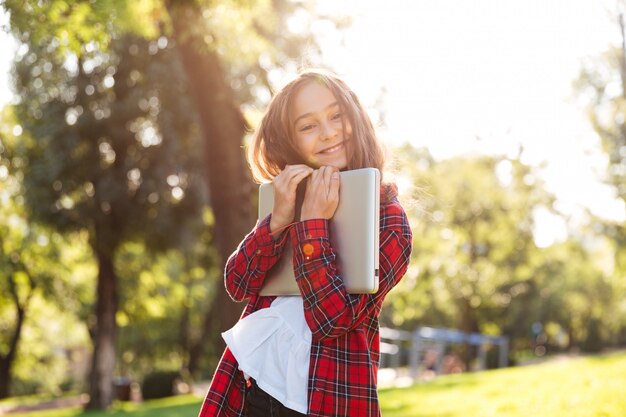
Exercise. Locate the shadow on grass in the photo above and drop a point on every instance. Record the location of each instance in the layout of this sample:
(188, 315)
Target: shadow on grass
(168, 411)
(182, 406)
(607, 356)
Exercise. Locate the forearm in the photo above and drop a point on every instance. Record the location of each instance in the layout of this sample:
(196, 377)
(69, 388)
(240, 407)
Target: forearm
(330, 310)
(246, 268)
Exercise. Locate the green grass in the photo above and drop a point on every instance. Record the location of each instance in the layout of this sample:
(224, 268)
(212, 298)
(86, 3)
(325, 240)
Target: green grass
(180, 406)
(585, 387)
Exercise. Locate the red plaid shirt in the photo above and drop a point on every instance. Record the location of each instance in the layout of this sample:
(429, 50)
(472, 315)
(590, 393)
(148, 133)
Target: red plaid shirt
(345, 348)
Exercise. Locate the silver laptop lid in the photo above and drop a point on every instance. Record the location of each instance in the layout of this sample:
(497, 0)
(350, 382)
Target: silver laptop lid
(354, 234)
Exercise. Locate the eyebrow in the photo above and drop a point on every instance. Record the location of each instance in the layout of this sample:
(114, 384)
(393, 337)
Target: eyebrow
(333, 104)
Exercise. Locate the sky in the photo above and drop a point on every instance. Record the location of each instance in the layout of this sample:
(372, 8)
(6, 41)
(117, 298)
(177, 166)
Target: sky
(476, 77)
(484, 77)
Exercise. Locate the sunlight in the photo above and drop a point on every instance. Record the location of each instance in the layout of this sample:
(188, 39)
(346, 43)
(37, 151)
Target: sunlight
(484, 77)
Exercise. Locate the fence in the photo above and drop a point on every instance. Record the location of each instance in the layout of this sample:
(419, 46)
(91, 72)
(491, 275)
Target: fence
(428, 345)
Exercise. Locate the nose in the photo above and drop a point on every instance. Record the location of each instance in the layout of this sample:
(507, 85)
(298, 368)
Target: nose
(329, 131)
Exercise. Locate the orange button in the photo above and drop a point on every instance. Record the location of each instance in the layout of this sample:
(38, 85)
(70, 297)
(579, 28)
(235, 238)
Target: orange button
(308, 249)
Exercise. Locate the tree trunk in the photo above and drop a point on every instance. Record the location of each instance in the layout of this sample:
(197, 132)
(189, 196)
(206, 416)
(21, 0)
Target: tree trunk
(230, 185)
(5, 377)
(103, 361)
(572, 343)
(468, 325)
(6, 361)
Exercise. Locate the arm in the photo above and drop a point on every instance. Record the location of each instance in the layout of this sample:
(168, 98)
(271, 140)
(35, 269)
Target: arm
(246, 267)
(329, 310)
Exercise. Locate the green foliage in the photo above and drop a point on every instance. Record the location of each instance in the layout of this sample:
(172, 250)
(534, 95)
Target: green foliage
(476, 267)
(111, 149)
(473, 237)
(112, 143)
(157, 329)
(40, 270)
(77, 23)
(53, 343)
(600, 88)
(574, 294)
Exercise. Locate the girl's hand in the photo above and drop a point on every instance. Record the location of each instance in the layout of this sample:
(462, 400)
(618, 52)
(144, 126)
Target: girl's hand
(322, 194)
(285, 185)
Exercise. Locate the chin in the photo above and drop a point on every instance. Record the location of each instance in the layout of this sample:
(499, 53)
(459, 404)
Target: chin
(340, 167)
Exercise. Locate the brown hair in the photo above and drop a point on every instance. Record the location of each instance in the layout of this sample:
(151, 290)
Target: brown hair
(272, 145)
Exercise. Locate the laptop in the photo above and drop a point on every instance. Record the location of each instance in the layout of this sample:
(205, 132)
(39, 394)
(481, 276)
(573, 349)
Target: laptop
(354, 234)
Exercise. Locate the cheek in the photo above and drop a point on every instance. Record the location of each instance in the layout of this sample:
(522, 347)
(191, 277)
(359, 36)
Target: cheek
(348, 131)
(305, 143)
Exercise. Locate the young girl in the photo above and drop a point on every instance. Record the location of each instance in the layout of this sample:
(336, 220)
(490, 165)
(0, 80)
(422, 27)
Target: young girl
(316, 354)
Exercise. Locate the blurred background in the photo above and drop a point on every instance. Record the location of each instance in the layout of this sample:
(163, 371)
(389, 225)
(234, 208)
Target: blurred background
(123, 183)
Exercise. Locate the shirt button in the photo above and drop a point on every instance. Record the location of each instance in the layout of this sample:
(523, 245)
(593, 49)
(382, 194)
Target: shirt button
(308, 249)
(258, 251)
(308, 236)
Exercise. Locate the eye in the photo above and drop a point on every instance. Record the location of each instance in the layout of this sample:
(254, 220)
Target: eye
(307, 127)
(337, 116)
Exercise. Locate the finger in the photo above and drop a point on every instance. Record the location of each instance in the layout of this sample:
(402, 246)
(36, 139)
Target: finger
(327, 173)
(297, 178)
(291, 188)
(317, 177)
(287, 175)
(335, 183)
(290, 169)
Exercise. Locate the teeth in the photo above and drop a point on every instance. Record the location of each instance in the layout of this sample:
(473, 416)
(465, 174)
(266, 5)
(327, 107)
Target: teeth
(334, 148)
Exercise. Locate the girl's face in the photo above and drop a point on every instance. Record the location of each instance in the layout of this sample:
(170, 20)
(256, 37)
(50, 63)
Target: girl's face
(318, 126)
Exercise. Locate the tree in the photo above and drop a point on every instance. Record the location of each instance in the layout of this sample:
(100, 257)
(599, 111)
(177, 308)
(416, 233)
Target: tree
(28, 256)
(207, 56)
(19, 281)
(475, 241)
(112, 153)
(575, 296)
(601, 88)
(159, 329)
(222, 46)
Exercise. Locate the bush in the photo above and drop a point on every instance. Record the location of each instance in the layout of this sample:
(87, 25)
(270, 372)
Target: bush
(21, 387)
(160, 384)
(593, 343)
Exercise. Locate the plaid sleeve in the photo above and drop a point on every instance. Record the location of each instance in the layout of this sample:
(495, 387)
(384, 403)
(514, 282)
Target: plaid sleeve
(246, 267)
(329, 309)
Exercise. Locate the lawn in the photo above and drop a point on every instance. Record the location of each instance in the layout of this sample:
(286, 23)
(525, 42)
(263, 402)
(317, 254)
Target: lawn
(584, 387)
(180, 406)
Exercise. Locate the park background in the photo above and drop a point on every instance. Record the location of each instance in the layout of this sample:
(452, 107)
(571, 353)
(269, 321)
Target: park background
(124, 188)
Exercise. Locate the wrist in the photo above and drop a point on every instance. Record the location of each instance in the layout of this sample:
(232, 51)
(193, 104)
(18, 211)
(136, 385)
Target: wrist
(276, 226)
(311, 216)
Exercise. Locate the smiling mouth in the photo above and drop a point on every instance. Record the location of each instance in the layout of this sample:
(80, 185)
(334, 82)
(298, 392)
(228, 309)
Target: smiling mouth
(332, 149)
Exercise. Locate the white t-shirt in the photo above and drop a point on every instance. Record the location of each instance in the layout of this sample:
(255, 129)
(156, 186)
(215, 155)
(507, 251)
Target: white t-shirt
(273, 346)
